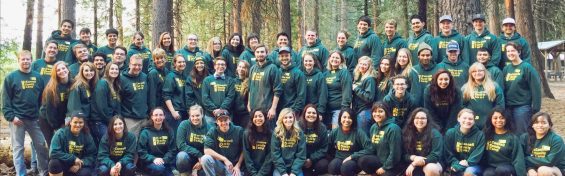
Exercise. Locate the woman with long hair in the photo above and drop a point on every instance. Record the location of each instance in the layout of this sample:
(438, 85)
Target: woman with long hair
(346, 145)
(166, 43)
(117, 149)
(231, 53)
(346, 49)
(174, 91)
(384, 153)
(316, 88)
(214, 47)
(481, 94)
(503, 152)
(106, 103)
(364, 91)
(403, 65)
(288, 145)
(72, 150)
(80, 98)
(156, 147)
(193, 88)
(338, 81)
(443, 99)
(54, 99)
(190, 141)
(257, 145)
(384, 73)
(464, 145)
(316, 135)
(241, 84)
(423, 144)
(137, 47)
(543, 147)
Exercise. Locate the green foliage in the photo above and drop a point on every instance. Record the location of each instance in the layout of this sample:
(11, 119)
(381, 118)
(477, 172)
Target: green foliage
(8, 52)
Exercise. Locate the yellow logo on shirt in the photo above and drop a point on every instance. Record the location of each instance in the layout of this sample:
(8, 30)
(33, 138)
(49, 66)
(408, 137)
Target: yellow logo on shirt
(138, 86)
(259, 145)
(376, 138)
(495, 146)
(29, 84)
(541, 151)
(419, 146)
(74, 148)
(425, 78)
(257, 76)
(160, 140)
(398, 112)
(195, 138)
(330, 79)
(443, 44)
(289, 142)
(63, 47)
(358, 43)
(513, 76)
(46, 70)
(223, 143)
(180, 82)
(118, 150)
(461, 147)
(479, 95)
(455, 73)
(413, 46)
(344, 145)
(478, 44)
(285, 77)
(390, 50)
(311, 138)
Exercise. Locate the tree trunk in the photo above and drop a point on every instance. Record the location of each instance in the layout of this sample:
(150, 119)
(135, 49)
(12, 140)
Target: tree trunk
(366, 7)
(39, 34)
(28, 25)
(317, 16)
(435, 17)
(68, 13)
(224, 19)
(236, 11)
(405, 19)
(509, 5)
(343, 15)
(284, 19)
(119, 9)
(161, 21)
(375, 17)
(178, 23)
(257, 19)
(137, 15)
(493, 21)
(95, 22)
(461, 11)
(525, 26)
(111, 14)
(423, 10)
(301, 22)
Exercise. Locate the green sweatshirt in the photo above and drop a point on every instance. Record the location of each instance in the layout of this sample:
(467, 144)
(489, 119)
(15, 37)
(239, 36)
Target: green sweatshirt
(496, 74)
(55, 113)
(459, 146)
(384, 86)
(217, 93)
(293, 83)
(391, 46)
(420, 77)
(190, 58)
(190, 138)
(400, 108)
(192, 93)
(43, 68)
(386, 143)
(257, 156)
(74, 69)
(264, 84)
(316, 142)
(547, 151)
(484, 40)
(232, 58)
(317, 49)
(444, 113)
(228, 144)
(63, 44)
(288, 154)
(481, 104)
(122, 151)
(415, 40)
(274, 57)
(339, 89)
(316, 90)
(343, 145)
(70, 57)
(134, 95)
(155, 143)
(522, 86)
(239, 103)
(505, 149)
(525, 54)
(145, 54)
(364, 94)
(169, 56)
(439, 46)
(369, 44)
(21, 95)
(66, 147)
(80, 99)
(105, 104)
(173, 89)
(248, 55)
(156, 81)
(108, 51)
(459, 70)
(350, 56)
(434, 155)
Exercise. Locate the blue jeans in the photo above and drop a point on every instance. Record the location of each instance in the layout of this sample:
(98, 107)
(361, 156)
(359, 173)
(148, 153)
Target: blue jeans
(38, 141)
(128, 169)
(97, 130)
(521, 116)
(335, 118)
(153, 169)
(185, 162)
(215, 167)
(364, 121)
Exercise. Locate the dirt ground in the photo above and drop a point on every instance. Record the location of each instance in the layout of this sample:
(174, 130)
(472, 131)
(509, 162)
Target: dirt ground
(556, 107)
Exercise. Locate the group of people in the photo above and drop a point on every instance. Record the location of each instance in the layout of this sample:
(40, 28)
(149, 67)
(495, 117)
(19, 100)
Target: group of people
(423, 106)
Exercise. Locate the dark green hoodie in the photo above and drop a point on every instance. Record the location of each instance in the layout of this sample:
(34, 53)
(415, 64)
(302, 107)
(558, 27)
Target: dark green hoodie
(248, 55)
(228, 144)
(154, 143)
(21, 95)
(459, 146)
(145, 54)
(289, 154)
(133, 92)
(525, 53)
(522, 86)
(414, 41)
(343, 145)
(63, 44)
(445, 113)
(190, 138)
(43, 68)
(105, 103)
(393, 45)
(386, 143)
(217, 93)
(156, 81)
(496, 74)
(293, 83)
(67, 147)
(257, 156)
(421, 77)
(316, 142)
(173, 89)
(505, 149)
(264, 84)
(339, 89)
(316, 89)
(274, 58)
(364, 94)
(439, 46)
(239, 103)
(192, 93)
(232, 58)
(481, 104)
(350, 56)
(122, 151)
(109, 52)
(317, 49)
(80, 99)
(400, 109)
(547, 151)
(190, 58)
(434, 154)
(369, 44)
(459, 70)
(55, 113)
(70, 57)
(484, 40)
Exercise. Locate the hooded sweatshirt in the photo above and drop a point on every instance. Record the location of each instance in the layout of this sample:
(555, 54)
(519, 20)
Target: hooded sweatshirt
(264, 85)
(274, 58)
(459, 70)
(248, 55)
(145, 54)
(63, 44)
(459, 146)
(228, 144)
(393, 45)
(80, 99)
(445, 113)
(43, 68)
(156, 143)
(364, 94)
(232, 57)
(525, 53)
(481, 104)
(190, 138)
(105, 103)
(420, 77)
(156, 81)
(70, 57)
(316, 90)
(485, 40)
(343, 145)
(386, 143)
(289, 154)
(66, 147)
(339, 89)
(21, 95)
(522, 86)
(134, 95)
(257, 156)
(217, 93)
(55, 113)
(415, 40)
(316, 142)
(439, 46)
(108, 51)
(293, 83)
(350, 56)
(317, 49)
(547, 151)
(400, 108)
(239, 103)
(505, 149)
(434, 154)
(173, 89)
(190, 58)
(369, 44)
(122, 151)
(496, 74)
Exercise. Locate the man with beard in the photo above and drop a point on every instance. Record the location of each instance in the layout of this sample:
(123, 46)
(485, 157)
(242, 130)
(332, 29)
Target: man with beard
(45, 66)
(264, 86)
(509, 34)
(293, 83)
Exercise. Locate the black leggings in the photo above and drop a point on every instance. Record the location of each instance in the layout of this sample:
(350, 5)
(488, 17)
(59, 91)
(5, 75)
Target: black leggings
(370, 164)
(337, 167)
(320, 167)
(57, 166)
(501, 170)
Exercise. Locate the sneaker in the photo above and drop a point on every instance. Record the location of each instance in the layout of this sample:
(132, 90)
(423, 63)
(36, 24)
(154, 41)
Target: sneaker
(32, 171)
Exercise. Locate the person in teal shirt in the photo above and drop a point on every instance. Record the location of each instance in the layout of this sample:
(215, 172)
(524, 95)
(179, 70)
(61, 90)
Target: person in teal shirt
(85, 40)
(80, 99)
(481, 94)
(134, 91)
(82, 56)
(419, 35)
(232, 52)
(156, 78)
(393, 41)
(218, 90)
(288, 145)
(190, 141)
(364, 89)
(383, 76)
(106, 99)
(316, 87)
(265, 88)
(339, 82)
(481, 38)
(367, 42)
(192, 52)
(63, 38)
(156, 145)
(292, 81)
(45, 66)
(423, 144)
(53, 110)
(137, 47)
(239, 103)
(108, 50)
(543, 147)
(509, 34)
(223, 148)
(483, 57)
(174, 91)
(249, 52)
(194, 82)
(347, 50)
(447, 34)
(421, 76)
(282, 41)
(443, 99)
(317, 145)
(257, 146)
(464, 145)
(166, 43)
(346, 145)
(314, 45)
(117, 150)
(399, 100)
(455, 65)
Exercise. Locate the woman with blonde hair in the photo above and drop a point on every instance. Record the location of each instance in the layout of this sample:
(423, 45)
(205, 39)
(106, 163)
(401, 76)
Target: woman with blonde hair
(288, 145)
(403, 64)
(481, 94)
(214, 47)
(80, 98)
(338, 80)
(364, 91)
(241, 84)
(166, 43)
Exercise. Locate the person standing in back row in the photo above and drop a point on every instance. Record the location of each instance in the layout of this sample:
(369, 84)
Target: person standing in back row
(367, 43)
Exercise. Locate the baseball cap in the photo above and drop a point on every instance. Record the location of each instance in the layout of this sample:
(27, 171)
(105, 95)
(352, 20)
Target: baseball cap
(284, 49)
(79, 114)
(452, 46)
(445, 17)
(478, 17)
(508, 21)
(222, 114)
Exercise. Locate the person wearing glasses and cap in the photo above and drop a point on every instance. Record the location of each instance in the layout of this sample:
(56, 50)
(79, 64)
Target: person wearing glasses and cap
(223, 146)
(446, 35)
(454, 64)
(509, 34)
(482, 38)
